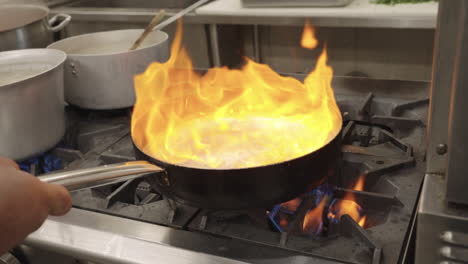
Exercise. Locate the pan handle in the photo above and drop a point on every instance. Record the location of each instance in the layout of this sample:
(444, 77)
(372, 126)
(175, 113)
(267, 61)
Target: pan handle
(99, 176)
(66, 20)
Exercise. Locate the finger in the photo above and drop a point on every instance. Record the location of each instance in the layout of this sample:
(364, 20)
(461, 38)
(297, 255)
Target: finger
(8, 163)
(58, 198)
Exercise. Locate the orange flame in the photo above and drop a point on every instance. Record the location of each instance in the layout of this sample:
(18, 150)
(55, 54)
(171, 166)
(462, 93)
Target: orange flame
(284, 222)
(309, 41)
(229, 118)
(349, 206)
(362, 222)
(313, 219)
(291, 205)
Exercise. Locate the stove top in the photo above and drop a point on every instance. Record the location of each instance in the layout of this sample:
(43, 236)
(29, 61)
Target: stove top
(382, 144)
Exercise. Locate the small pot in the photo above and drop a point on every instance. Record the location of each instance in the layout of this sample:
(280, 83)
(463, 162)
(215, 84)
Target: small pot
(32, 110)
(26, 26)
(100, 68)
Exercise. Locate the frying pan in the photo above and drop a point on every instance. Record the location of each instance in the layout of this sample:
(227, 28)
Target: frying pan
(254, 187)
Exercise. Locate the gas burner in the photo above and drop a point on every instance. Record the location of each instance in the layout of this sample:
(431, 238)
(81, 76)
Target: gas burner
(317, 221)
(381, 169)
(42, 163)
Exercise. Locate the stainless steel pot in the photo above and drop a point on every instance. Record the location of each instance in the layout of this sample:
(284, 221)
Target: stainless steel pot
(100, 68)
(32, 115)
(26, 26)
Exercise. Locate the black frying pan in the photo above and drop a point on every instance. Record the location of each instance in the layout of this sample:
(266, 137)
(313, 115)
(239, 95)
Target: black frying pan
(256, 187)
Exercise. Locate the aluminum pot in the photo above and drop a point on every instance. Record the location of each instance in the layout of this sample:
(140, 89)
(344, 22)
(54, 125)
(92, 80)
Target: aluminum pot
(32, 113)
(26, 26)
(100, 68)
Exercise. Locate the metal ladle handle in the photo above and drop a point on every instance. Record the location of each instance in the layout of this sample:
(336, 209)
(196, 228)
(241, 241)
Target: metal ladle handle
(178, 15)
(99, 176)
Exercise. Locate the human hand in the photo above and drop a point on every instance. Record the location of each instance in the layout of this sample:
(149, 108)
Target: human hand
(25, 203)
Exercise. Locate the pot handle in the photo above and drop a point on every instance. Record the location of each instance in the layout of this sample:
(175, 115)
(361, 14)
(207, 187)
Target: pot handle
(99, 176)
(66, 20)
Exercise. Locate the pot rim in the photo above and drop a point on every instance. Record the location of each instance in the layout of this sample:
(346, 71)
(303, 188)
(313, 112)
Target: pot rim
(5, 55)
(24, 6)
(64, 42)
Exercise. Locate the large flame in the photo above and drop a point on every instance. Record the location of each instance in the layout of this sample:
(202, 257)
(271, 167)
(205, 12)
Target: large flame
(349, 206)
(230, 118)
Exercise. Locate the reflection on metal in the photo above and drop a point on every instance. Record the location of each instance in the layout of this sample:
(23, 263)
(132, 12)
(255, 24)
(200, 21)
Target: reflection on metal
(106, 239)
(8, 258)
(442, 228)
(103, 175)
(441, 149)
(142, 11)
(457, 165)
(214, 42)
(442, 232)
(447, 38)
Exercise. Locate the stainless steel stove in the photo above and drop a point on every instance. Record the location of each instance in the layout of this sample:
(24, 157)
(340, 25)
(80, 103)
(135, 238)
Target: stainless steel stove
(383, 141)
(295, 3)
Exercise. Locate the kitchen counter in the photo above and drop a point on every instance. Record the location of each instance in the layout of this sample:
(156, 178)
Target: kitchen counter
(360, 13)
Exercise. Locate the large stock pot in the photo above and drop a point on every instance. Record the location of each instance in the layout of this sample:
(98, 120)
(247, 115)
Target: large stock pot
(32, 109)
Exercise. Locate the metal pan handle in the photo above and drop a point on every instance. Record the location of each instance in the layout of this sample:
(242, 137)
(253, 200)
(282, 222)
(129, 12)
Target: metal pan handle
(102, 175)
(66, 20)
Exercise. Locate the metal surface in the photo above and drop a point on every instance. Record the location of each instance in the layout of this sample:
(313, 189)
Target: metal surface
(99, 176)
(180, 14)
(457, 167)
(137, 13)
(54, 27)
(163, 4)
(99, 69)
(103, 137)
(442, 213)
(106, 239)
(441, 229)
(448, 42)
(8, 258)
(26, 26)
(295, 3)
(257, 52)
(254, 187)
(214, 45)
(32, 117)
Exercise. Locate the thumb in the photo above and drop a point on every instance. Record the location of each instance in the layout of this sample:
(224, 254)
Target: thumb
(58, 199)
(8, 163)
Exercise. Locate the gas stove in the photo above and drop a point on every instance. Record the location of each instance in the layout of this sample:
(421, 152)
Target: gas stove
(383, 141)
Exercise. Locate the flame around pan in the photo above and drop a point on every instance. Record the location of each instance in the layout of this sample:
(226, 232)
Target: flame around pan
(230, 118)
